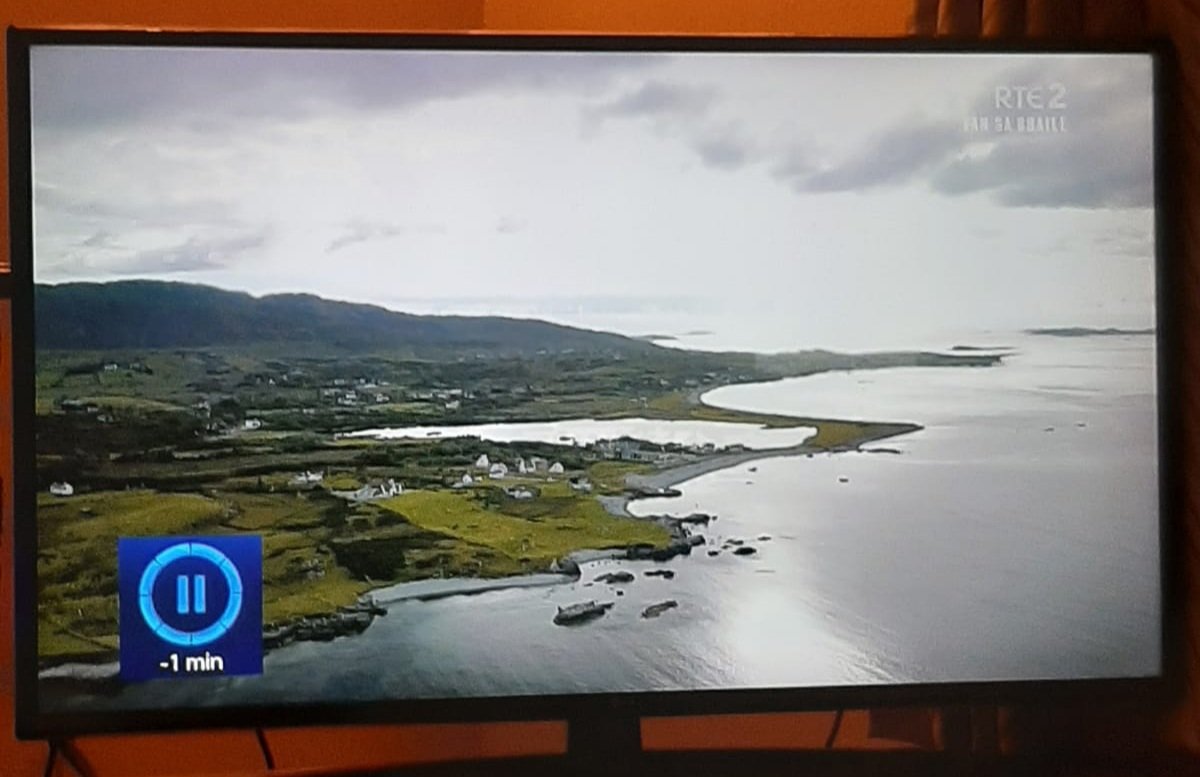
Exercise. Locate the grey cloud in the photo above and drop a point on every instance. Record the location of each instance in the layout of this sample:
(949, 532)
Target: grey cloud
(893, 157)
(723, 152)
(1101, 161)
(193, 254)
(101, 239)
(656, 98)
(366, 231)
(1039, 171)
(132, 207)
(792, 165)
(81, 88)
(684, 110)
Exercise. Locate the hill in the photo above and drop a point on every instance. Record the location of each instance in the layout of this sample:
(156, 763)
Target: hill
(156, 314)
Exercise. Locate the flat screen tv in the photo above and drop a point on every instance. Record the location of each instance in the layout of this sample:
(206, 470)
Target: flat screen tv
(369, 378)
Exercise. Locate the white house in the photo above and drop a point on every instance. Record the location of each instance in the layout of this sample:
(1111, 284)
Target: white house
(522, 467)
(519, 493)
(483, 463)
(454, 404)
(373, 491)
(308, 478)
(62, 489)
(252, 423)
(539, 464)
(498, 471)
(583, 485)
(556, 468)
(467, 480)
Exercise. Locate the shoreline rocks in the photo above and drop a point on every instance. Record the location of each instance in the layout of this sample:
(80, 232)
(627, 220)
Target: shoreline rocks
(655, 610)
(620, 576)
(346, 621)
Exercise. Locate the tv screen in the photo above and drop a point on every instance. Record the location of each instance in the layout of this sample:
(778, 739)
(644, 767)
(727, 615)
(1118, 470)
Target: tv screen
(410, 377)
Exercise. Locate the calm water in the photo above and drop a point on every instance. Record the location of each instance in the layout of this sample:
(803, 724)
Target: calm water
(586, 431)
(1014, 537)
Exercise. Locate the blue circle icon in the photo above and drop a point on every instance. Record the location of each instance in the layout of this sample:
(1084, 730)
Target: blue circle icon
(179, 552)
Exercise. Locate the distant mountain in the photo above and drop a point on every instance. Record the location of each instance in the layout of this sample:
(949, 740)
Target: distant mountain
(156, 314)
(1083, 331)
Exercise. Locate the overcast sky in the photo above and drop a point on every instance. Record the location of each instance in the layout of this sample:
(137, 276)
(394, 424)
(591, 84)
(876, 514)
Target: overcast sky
(807, 187)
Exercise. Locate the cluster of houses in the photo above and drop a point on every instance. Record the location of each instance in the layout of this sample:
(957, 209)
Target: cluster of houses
(499, 470)
(79, 407)
(368, 492)
(366, 391)
(383, 490)
(628, 449)
(135, 366)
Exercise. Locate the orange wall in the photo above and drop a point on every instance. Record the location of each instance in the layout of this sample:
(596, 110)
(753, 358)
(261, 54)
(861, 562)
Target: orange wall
(236, 753)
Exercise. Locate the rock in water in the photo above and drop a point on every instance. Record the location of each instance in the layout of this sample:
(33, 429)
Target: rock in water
(665, 574)
(616, 577)
(581, 612)
(745, 550)
(655, 610)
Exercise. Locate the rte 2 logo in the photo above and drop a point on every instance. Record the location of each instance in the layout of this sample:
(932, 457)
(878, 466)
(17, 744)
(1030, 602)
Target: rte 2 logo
(1048, 97)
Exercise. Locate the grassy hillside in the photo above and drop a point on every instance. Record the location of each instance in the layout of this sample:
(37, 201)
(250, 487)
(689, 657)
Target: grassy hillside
(155, 314)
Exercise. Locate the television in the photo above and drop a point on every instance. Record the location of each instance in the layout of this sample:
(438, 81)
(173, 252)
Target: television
(424, 378)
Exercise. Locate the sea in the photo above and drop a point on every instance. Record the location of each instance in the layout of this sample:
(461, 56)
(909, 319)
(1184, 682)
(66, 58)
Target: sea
(1014, 537)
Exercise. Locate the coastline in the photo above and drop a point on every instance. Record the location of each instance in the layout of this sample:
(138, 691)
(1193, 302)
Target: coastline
(356, 618)
(674, 476)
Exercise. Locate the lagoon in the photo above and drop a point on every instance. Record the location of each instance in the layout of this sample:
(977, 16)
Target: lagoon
(585, 431)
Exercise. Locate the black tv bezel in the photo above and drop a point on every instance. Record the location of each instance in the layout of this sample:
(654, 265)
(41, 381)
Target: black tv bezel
(33, 723)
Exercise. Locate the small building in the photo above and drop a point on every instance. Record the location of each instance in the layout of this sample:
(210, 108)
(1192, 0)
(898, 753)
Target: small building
(498, 471)
(521, 466)
(467, 480)
(62, 489)
(519, 493)
(308, 478)
(582, 485)
(483, 462)
(454, 404)
(252, 423)
(539, 464)
(556, 468)
(111, 367)
(373, 491)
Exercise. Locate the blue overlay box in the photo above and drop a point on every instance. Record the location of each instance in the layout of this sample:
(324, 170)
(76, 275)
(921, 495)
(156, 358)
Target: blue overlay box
(189, 606)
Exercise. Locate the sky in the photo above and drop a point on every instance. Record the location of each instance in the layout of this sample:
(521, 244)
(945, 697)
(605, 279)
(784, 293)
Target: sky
(799, 196)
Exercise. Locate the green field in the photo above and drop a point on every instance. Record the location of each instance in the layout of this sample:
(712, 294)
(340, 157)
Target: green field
(534, 532)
